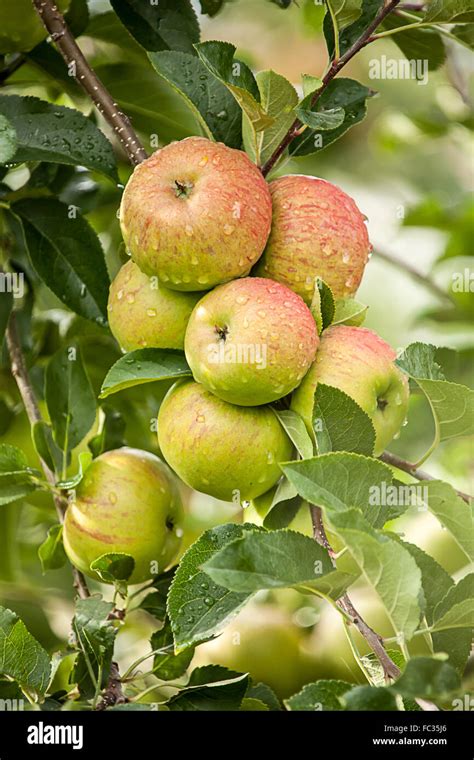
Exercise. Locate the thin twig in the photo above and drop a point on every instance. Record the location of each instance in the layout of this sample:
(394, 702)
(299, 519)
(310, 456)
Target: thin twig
(334, 69)
(21, 376)
(373, 639)
(415, 273)
(411, 469)
(10, 69)
(78, 67)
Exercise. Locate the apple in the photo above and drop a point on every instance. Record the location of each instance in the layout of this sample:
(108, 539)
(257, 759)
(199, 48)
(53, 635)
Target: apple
(251, 341)
(143, 313)
(264, 642)
(20, 25)
(360, 363)
(128, 502)
(317, 231)
(196, 214)
(226, 451)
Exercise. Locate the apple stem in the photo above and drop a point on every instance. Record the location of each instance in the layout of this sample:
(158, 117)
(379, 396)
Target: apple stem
(332, 71)
(85, 76)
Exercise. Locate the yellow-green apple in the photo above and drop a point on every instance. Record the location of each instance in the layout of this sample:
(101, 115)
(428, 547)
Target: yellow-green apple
(196, 214)
(360, 363)
(265, 642)
(230, 452)
(317, 231)
(251, 341)
(20, 25)
(128, 502)
(143, 313)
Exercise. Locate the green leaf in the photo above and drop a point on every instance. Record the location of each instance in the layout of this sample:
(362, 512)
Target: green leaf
(69, 398)
(452, 406)
(111, 435)
(427, 678)
(453, 513)
(346, 11)
(155, 602)
(218, 57)
(340, 93)
(22, 658)
(48, 132)
(264, 694)
(12, 459)
(166, 664)
(6, 305)
(8, 141)
(56, 240)
(295, 428)
(449, 11)
(310, 84)
(249, 704)
(113, 566)
(319, 120)
(464, 33)
(417, 44)
(278, 559)
(348, 311)
(338, 481)
(322, 305)
(340, 424)
(373, 698)
(351, 33)
(95, 636)
(284, 506)
(84, 460)
(436, 584)
(278, 98)
(165, 25)
(51, 552)
(199, 608)
(319, 696)
(46, 447)
(418, 361)
(211, 688)
(144, 366)
(388, 567)
(456, 608)
(212, 104)
(211, 7)
(17, 479)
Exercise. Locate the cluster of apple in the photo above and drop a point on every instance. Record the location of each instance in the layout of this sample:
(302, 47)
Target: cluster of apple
(198, 216)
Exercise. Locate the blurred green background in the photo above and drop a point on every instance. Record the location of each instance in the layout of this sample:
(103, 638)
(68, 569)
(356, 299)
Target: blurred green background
(409, 166)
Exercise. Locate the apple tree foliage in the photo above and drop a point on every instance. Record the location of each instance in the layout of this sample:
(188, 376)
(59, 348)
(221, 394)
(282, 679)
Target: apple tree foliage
(61, 174)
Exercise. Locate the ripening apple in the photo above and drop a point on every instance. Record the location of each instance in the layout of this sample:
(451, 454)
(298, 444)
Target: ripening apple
(264, 642)
(317, 231)
(360, 363)
(251, 341)
(142, 313)
(230, 452)
(127, 502)
(196, 214)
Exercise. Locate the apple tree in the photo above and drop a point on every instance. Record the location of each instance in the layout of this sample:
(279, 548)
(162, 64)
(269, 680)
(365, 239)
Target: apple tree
(227, 360)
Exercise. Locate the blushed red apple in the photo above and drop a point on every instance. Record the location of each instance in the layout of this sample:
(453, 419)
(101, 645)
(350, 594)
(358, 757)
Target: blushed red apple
(196, 214)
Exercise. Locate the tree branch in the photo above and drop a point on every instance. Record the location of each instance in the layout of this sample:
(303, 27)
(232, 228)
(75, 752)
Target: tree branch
(22, 379)
(334, 69)
(56, 26)
(373, 639)
(411, 469)
(415, 274)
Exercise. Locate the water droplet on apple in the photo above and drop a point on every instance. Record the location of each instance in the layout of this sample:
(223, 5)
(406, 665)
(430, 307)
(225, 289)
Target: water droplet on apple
(242, 299)
(228, 229)
(203, 161)
(203, 280)
(113, 497)
(189, 230)
(151, 312)
(130, 298)
(262, 313)
(200, 418)
(194, 261)
(270, 457)
(346, 258)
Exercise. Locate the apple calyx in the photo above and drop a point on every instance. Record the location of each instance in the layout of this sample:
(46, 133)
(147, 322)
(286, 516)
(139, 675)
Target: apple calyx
(183, 189)
(222, 332)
